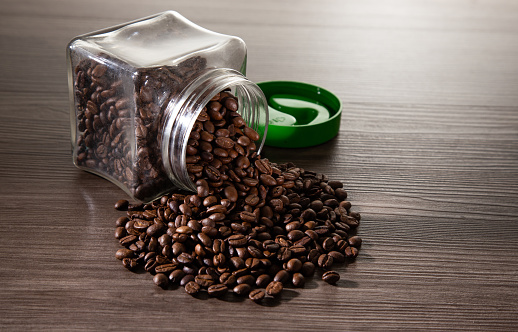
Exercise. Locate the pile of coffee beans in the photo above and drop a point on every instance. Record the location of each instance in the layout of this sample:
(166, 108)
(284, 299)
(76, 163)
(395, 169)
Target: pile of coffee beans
(253, 228)
(118, 136)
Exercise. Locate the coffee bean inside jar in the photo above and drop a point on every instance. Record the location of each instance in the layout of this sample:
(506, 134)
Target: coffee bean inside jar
(125, 140)
(137, 91)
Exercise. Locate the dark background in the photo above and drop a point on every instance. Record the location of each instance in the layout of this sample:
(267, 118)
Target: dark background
(428, 150)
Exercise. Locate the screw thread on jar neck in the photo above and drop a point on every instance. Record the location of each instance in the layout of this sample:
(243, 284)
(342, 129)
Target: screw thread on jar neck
(181, 115)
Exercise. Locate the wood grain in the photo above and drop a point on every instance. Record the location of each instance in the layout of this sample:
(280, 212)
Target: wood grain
(428, 150)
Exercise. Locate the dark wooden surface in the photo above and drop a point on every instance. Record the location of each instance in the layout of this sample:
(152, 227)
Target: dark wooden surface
(428, 150)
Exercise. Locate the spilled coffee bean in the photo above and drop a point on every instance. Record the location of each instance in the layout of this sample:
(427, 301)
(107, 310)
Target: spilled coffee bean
(252, 228)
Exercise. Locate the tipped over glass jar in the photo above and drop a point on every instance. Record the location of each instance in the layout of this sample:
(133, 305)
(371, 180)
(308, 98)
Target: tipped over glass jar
(136, 91)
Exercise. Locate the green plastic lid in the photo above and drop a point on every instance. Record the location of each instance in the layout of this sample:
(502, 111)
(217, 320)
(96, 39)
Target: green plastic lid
(300, 114)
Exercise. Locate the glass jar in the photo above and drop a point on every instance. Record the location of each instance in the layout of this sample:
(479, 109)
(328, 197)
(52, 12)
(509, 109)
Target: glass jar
(136, 91)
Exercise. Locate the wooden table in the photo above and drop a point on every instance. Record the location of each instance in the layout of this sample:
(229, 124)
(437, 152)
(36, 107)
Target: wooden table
(428, 150)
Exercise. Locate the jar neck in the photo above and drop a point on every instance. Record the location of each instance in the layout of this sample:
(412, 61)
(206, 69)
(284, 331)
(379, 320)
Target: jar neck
(181, 113)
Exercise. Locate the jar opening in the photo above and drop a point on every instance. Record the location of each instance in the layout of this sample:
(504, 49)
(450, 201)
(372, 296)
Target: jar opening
(181, 116)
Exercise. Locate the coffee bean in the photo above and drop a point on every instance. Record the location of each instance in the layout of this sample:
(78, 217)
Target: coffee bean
(124, 253)
(192, 288)
(293, 265)
(325, 261)
(263, 280)
(328, 244)
(231, 193)
(231, 104)
(267, 180)
(282, 276)
(298, 280)
(121, 205)
(166, 268)
(237, 240)
(185, 258)
(161, 280)
(252, 134)
(242, 289)
(228, 279)
(120, 232)
(186, 279)
(256, 295)
(127, 240)
(250, 223)
(217, 290)
(99, 70)
(355, 241)
(351, 252)
(263, 166)
(338, 257)
(331, 277)
(176, 276)
(246, 279)
(247, 216)
(308, 269)
(129, 263)
(295, 235)
(274, 288)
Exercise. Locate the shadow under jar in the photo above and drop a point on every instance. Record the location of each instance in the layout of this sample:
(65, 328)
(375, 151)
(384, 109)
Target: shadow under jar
(136, 91)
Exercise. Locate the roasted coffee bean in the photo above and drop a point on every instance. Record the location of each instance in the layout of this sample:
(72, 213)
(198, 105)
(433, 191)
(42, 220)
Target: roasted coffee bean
(255, 252)
(328, 244)
(274, 288)
(204, 280)
(192, 288)
(263, 280)
(338, 257)
(124, 253)
(166, 268)
(129, 263)
(161, 280)
(256, 295)
(293, 265)
(355, 241)
(268, 180)
(282, 276)
(120, 232)
(121, 205)
(176, 276)
(231, 193)
(298, 280)
(295, 235)
(237, 240)
(351, 252)
(186, 279)
(284, 254)
(228, 279)
(246, 279)
(250, 223)
(252, 134)
(271, 246)
(308, 269)
(127, 240)
(237, 262)
(331, 277)
(325, 261)
(242, 289)
(217, 290)
(185, 258)
(247, 216)
(121, 222)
